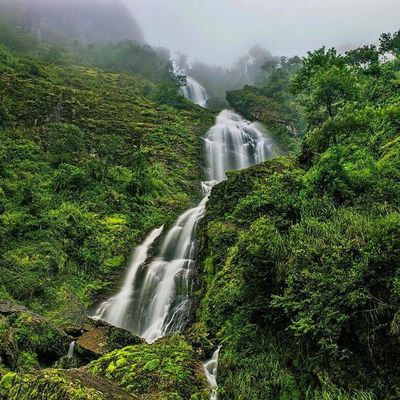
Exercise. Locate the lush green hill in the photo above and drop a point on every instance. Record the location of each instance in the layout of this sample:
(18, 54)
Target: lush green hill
(89, 163)
(300, 255)
(298, 267)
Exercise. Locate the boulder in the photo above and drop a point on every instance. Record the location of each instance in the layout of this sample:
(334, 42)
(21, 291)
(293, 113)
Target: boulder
(98, 338)
(27, 340)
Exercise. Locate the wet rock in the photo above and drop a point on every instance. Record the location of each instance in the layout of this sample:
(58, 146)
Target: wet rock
(99, 337)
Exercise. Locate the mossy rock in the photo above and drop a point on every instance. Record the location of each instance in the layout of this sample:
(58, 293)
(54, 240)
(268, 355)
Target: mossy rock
(166, 369)
(53, 384)
(28, 340)
(99, 338)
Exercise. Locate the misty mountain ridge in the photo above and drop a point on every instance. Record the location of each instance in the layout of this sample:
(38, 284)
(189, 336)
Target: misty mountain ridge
(89, 21)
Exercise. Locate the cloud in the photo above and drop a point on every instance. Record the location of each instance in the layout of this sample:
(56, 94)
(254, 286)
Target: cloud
(218, 31)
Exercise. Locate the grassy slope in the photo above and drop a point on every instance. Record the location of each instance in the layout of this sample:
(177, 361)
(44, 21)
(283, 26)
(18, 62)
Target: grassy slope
(88, 165)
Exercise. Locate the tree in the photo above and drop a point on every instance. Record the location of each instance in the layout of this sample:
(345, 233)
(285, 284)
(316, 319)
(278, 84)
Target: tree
(390, 43)
(366, 58)
(323, 81)
(363, 56)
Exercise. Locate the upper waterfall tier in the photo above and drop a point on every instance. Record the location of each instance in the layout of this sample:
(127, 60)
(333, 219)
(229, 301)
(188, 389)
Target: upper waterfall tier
(234, 143)
(194, 92)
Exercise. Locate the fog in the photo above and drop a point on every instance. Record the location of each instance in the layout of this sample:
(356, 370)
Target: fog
(88, 21)
(219, 31)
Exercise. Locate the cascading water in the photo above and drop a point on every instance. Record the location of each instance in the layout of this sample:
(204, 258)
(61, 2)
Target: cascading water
(155, 296)
(234, 143)
(71, 349)
(195, 92)
(116, 310)
(211, 370)
(165, 294)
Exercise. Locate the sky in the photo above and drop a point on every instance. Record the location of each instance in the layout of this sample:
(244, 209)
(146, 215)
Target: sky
(219, 31)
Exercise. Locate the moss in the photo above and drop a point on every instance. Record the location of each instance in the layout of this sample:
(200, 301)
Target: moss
(56, 385)
(168, 368)
(27, 340)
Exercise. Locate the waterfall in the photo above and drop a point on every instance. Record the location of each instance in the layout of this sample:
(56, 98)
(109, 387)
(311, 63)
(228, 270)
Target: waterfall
(155, 296)
(234, 143)
(115, 310)
(165, 294)
(71, 349)
(211, 369)
(195, 92)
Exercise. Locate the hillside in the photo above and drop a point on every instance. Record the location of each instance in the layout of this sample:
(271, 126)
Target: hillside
(300, 255)
(289, 267)
(89, 164)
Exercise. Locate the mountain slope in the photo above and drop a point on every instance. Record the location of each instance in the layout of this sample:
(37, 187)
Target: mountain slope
(89, 164)
(300, 256)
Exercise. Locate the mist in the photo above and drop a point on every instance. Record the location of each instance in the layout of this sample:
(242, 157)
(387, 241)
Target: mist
(220, 31)
(89, 21)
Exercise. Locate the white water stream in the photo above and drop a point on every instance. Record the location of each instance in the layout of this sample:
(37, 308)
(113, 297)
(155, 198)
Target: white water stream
(71, 349)
(116, 310)
(195, 92)
(211, 369)
(155, 296)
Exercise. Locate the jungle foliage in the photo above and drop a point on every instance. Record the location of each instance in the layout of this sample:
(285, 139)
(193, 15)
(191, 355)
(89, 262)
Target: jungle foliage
(300, 255)
(90, 161)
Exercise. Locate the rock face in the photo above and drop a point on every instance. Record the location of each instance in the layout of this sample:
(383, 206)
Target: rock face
(28, 340)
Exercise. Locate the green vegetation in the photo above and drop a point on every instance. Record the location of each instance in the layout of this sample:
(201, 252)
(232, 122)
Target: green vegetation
(53, 384)
(167, 369)
(89, 163)
(300, 255)
(28, 341)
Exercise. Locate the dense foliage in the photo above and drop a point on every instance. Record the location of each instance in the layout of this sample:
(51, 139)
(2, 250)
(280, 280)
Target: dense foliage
(300, 256)
(89, 163)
